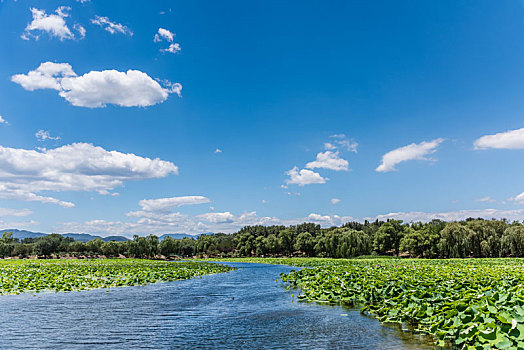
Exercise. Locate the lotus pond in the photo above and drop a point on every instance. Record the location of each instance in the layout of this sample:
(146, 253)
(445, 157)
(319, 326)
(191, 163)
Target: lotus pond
(20, 276)
(463, 304)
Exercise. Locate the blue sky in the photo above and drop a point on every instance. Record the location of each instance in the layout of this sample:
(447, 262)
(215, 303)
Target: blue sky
(402, 109)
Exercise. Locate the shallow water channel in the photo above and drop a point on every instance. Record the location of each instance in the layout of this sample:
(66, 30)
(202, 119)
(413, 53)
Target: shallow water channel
(242, 309)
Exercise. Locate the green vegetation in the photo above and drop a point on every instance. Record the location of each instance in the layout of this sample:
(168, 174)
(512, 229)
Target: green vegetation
(436, 239)
(465, 304)
(20, 276)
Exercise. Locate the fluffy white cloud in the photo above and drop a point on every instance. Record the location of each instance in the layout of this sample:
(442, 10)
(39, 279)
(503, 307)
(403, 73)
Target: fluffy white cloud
(327, 220)
(335, 200)
(42, 135)
(111, 27)
(512, 139)
(453, 215)
(304, 177)
(329, 160)
(3, 121)
(47, 76)
(98, 88)
(216, 218)
(173, 48)
(166, 35)
(410, 152)
(53, 24)
(75, 167)
(218, 150)
(163, 204)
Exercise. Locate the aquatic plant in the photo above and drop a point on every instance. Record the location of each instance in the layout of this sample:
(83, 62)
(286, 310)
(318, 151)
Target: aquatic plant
(20, 276)
(465, 304)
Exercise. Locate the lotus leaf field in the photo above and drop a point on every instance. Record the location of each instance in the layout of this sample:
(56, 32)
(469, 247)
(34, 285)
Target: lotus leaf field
(462, 304)
(20, 276)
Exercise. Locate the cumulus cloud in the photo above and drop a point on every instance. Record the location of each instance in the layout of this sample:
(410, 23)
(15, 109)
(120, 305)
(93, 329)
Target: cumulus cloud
(163, 204)
(111, 27)
(304, 177)
(512, 139)
(328, 220)
(329, 160)
(76, 167)
(3, 121)
(413, 151)
(54, 25)
(173, 48)
(42, 135)
(218, 150)
(166, 35)
(335, 200)
(453, 215)
(98, 88)
(216, 218)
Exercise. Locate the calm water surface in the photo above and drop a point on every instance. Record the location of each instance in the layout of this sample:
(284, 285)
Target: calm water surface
(242, 309)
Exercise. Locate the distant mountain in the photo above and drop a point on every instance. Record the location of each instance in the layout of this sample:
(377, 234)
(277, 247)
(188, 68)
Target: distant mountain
(83, 237)
(177, 236)
(86, 237)
(21, 234)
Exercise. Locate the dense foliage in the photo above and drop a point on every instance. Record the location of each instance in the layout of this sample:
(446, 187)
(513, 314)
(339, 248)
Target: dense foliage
(436, 239)
(466, 304)
(19, 276)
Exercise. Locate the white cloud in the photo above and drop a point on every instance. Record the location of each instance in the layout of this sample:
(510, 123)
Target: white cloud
(512, 139)
(304, 177)
(341, 141)
(327, 220)
(163, 204)
(216, 218)
(166, 35)
(335, 200)
(14, 212)
(410, 152)
(98, 88)
(3, 121)
(453, 215)
(17, 224)
(486, 199)
(519, 199)
(83, 1)
(75, 167)
(43, 135)
(162, 222)
(53, 24)
(218, 150)
(264, 201)
(111, 27)
(329, 160)
(173, 48)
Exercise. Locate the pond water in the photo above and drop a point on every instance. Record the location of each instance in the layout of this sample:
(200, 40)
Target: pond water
(242, 309)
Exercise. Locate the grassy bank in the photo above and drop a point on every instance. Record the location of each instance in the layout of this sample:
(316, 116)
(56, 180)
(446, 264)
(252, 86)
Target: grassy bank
(20, 276)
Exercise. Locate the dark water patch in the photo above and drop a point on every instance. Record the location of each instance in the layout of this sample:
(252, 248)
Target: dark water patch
(242, 309)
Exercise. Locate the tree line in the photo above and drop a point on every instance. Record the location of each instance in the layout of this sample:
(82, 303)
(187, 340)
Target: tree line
(477, 238)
